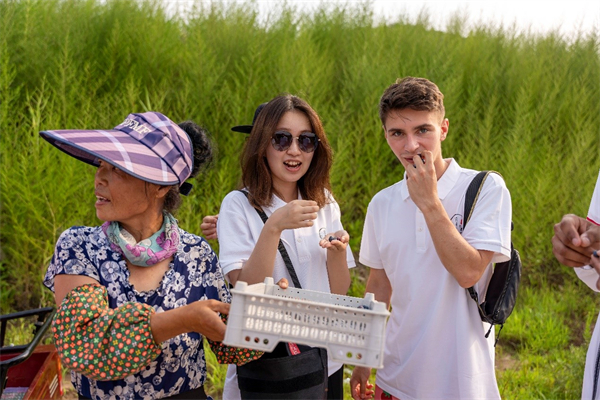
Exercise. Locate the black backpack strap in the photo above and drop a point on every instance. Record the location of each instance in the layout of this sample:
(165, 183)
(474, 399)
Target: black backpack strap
(473, 194)
(470, 200)
(281, 247)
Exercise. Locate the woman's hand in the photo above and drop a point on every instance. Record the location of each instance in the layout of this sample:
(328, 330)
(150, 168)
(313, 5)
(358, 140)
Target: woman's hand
(283, 283)
(337, 263)
(201, 316)
(209, 226)
(337, 241)
(205, 318)
(295, 214)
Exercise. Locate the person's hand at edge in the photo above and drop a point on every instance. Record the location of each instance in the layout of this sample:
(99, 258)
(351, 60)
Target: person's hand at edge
(574, 240)
(209, 227)
(360, 388)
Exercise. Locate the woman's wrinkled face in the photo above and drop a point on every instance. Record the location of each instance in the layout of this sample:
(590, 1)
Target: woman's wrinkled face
(288, 166)
(122, 197)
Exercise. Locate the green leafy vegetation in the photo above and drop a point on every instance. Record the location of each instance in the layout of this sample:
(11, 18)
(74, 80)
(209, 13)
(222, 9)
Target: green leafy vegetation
(526, 106)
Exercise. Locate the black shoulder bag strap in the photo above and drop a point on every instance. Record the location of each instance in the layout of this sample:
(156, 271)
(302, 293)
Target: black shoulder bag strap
(470, 200)
(282, 250)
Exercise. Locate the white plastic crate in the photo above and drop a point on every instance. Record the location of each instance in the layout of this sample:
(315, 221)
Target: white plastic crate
(350, 328)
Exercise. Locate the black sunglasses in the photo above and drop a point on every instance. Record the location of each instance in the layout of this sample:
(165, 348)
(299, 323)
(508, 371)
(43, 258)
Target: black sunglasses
(307, 141)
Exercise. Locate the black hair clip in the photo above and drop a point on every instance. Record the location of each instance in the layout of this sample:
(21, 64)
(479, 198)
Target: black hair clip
(185, 188)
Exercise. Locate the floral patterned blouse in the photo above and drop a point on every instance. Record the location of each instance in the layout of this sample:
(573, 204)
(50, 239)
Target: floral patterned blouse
(194, 274)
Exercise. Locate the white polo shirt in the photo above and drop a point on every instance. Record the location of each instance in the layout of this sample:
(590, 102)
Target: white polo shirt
(435, 344)
(590, 277)
(238, 229)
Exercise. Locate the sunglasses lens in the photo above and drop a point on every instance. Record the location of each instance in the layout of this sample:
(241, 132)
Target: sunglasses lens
(308, 142)
(281, 141)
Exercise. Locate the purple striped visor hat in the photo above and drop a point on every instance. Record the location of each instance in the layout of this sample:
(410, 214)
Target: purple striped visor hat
(148, 146)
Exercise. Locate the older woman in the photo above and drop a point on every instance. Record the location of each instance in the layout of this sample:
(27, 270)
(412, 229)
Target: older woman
(136, 294)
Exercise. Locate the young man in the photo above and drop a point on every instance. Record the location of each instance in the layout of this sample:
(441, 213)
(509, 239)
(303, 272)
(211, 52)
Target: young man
(576, 243)
(421, 260)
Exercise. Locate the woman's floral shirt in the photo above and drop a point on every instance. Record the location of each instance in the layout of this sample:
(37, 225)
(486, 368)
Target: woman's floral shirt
(194, 274)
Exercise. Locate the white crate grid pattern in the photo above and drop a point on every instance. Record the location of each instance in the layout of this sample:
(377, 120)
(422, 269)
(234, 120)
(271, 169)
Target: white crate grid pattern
(306, 321)
(261, 315)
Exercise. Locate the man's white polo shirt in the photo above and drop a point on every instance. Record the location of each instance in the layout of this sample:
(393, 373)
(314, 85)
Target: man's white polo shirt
(435, 345)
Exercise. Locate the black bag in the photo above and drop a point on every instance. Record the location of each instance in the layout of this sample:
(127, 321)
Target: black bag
(501, 294)
(280, 375)
(283, 373)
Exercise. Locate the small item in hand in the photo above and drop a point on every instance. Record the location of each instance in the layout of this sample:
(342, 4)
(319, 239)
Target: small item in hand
(422, 159)
(322, 233)
(332, 238)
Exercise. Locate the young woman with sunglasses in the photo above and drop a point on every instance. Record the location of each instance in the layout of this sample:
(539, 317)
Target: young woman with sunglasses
(285, 172)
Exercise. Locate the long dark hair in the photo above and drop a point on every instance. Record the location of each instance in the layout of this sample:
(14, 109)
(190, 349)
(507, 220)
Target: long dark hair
(256, 175)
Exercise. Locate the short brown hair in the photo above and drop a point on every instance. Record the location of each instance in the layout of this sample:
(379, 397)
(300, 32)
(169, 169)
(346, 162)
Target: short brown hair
(256, 175)
(418, 94)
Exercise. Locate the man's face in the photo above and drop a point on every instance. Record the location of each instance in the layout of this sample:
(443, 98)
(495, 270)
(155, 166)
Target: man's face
(409, 132)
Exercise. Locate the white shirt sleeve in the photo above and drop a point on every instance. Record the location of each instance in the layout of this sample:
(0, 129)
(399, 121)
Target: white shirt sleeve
(594, 211)
(369, 251)
(588, 276)
(236, 242)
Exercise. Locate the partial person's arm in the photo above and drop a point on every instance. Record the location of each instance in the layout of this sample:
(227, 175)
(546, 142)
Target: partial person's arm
(378, 284)
(465, 263)
(99, 342)
(107, 344)
(199, 316)
(337, 263)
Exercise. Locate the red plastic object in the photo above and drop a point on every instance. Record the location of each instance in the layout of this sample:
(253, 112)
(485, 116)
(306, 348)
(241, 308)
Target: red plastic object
(41, 374)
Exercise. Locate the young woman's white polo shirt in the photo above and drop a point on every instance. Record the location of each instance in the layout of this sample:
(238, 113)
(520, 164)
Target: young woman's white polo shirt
(435, 344)
(238, 229)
